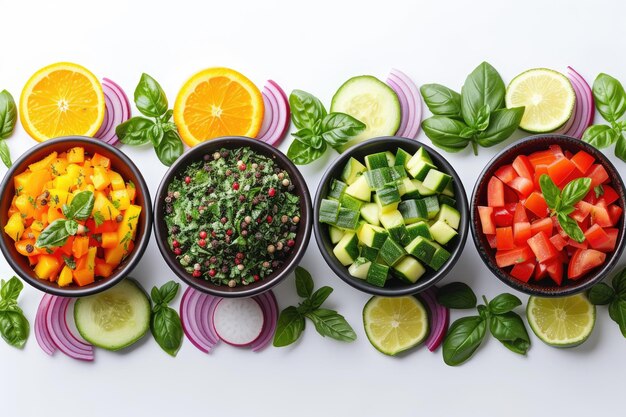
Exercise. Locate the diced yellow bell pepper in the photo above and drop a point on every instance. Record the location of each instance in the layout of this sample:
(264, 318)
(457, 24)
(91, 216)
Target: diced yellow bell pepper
(65, 278)
(132, 192)
(117, 182)
(43, 163)
(26, 205)
(104, 206)
(47, 266)
(128, 227)
(100, 178)
(37, 226)
(36, 182)
(73, 170)
(113, 256)
(64, 182)
(20, 182)
(58, 167)
(76, 155)
(59, 197)
(120, 199)
(15, 226)
(54, 214)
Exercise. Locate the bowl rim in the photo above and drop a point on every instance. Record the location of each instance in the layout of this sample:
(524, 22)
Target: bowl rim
(537, 290)
(306, 228)
(140, 246)
(407, 289)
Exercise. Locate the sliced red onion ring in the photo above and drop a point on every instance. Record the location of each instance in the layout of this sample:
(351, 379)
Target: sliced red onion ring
(268, 304)
(190, 319)
(439, 318)
(44, 339)
(584, 109)
(117, 111)
(410, 103)
(60, 333)
(276, 117)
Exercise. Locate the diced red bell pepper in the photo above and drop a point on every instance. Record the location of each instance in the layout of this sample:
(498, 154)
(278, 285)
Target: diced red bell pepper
(504, 238)
(487, 220)
(558, 241)
(506, 173)
(523, 167)
(555, 271)
(582, 160)
(583, 261)
(502, 217)
(519, 214)
(514, 256)
(615, 214)
(560, 169)
(539, 171)
(521, 233)
(495, 193)
(609, 246)
(541, 158)
(523, 271)
(609, 195)
(522, 185)
(598, 175)
(543, 225)
(541, 246)
(596, 236)
(536, 203)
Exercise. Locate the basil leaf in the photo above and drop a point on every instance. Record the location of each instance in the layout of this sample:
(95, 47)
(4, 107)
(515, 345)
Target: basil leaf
(456, 295)
(304, 282)
(617, 312)
(609, 96)
(289, 327)
(600, 136)
(445, 133)
(14, 327)
(332, 324)
(339, 128)
(11, 289)
(156, 134)
(150, 98)
(81, 206)
(168, 291)
(54, 235)
(8, 114)
(550, 191)
(156, 296)
(302, 154)
(482, 119)
(509, 329)
(483, 311)
(463, 338)
(167, 329)
(482, 87)
(503, 123)
(170, 148)
(619, 282)
(71, 226)
(309, 137)
(5, 154)
(574, 191)
(504, 303)
(306, 109)
(620, 147)
(468, 132)
(135, 131)
(601, 294)
(166, 117)
(441, 100)
(570, 226)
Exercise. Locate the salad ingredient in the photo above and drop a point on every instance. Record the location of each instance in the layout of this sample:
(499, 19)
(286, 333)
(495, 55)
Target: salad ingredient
(14, 327)
(165, 323)
(62, 99)
(276, 115)
(477, 116)
(60, 333)
(317, 129)
(157, 127)
(115, 318)
(410, 103)
(42, 334)
(268, 304)
(466, 334)
(457, 295)
(234, 103)
(562, 202)
(8, 118)
(371, 101)
(439, 318)
(327, 322)
(394, 325)
(233, 217)
(584, 110)
(57, 232)
(614, 296)
(547, 96)
(238, 321)
(117, 112)
(561, 321)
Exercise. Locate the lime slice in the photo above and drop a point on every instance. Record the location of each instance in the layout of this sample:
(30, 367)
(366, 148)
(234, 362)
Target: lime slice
(547, 95)
(562, 321)
(394, 325)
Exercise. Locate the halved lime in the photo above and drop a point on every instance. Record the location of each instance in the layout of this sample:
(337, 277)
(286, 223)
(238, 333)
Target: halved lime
(396, 324)
(562, 321)
(548, 98)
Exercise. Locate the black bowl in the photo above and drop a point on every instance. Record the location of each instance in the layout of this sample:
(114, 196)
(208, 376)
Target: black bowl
(304, 230)
(120, 163)
(394, 287)
(545, 287)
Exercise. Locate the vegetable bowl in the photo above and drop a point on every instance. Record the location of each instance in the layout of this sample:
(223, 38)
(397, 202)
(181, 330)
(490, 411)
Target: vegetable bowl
(391, 216)
(547, 215)
(79, 218)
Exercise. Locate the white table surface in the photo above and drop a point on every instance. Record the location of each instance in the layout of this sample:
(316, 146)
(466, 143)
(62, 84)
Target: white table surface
(314, 46)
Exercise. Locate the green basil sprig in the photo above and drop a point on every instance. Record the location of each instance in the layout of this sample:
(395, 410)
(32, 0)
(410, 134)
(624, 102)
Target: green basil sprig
(57, 232)
(327, 322)
(14, 326)
(466, 334)
(477, 116)
(8, 118)
(561, 203)
(317, 129)
(610, 99)
(160, 131)
(614, 296)
(165, 323)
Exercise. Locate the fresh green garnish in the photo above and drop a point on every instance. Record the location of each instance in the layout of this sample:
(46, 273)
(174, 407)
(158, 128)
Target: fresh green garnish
(466, 334)
(614, 296)
(317, 129)
(157, 128)
(327, 322)
(165, 322)
(8, 118)
(14, 326)
(57, 232)
(477, 116)
(561, 203)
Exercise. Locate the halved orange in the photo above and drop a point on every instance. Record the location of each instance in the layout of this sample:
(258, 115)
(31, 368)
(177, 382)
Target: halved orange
(62, 99)
(218, 102)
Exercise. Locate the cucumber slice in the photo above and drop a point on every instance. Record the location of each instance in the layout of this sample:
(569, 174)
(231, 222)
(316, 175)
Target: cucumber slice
(371, 101)
(436, 180)
(115, 318)
(422, 248)
(389, 194)
(335, 234)
(391, 158)
(442, 232)
(377, 160)
(360, 268)
(416, 229)
(432, 206)
(351, 203)
(413, 210)
(440, 257)
(408, 269)
(385, 208)
(347, 219)
(377, 274)
(329, 209)
(352, 171)
(360, 189)
(391, 252)
(369, 212)
(368, 253)
(337, 189)
(372, 236)
(347, 250)
(449, 215)
(402, 157)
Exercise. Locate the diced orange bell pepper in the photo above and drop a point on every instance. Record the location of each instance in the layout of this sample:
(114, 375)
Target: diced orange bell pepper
(100, 160)
(103, 269)
(109, 240)
(21, 245)
(47, 266)
(67, 248)
(83, 277)
(76, 155)
(100, 178)
(15, 226)
(43, 163)
(80, 246)
(54, 214)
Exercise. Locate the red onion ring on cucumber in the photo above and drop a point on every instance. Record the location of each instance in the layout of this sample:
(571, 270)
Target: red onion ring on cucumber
(276, 116)
(117, 111)
(410, 103)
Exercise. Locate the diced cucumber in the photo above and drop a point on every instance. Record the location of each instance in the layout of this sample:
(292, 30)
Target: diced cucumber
(329, 209)
(440, 257)
(442, 232)
(385, 208)
(376, 160)
(368, 253)
(397, 173)
(360, 268)
(449, 190)
(416, 229)
(347, 219)
(337, 189)
(413, 211)
(432, 206)
(423, 155)
(351, 203)
(377, 178)
(436, 180)
(419, 169)
(408, 269)
(360, 189)
(391, 252)
(391, 158)
(391, 219)
(372, 236)
(402, 157)
(347, 249)
(377, 274)
(421, 190)
(369, 211)
(421, 248)
(335, 234)
(389, 194)
(352, 171)
(449, 215)
(445, 199)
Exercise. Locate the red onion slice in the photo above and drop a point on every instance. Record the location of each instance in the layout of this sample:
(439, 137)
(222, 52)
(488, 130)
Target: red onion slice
(238, 321)
(117, 111)
(190, 324)
(584, 109)
(268, 304)
(277, 114)
(44, 339)
(60, 333)
(410, 103)
(439, 318)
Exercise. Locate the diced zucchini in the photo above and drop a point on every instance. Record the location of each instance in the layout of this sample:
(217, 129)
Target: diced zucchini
(449, 215)
(360, 268)
(377, 274)
(413, 211)
(376, 160)
(329, 209)
(445, 199)
(402, 157)
(389, 194)
(421, 248)
(436, 180)
(369, 211)
(337, 189)
(432, 206)
(347, 249)
(442, 232)
(351, 203)
(416, 229)
(377, 178)
(368, 253)
(372, 236)
(360, 189)
(347, 219)
(408, 269)
(440, 257)
(391, 158)
(391, 252)
(335, 234)
(449, 190)
(352, 171)
(385, 208)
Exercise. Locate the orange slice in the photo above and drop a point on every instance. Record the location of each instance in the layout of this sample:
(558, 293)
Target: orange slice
(218, 102)
(62, 99)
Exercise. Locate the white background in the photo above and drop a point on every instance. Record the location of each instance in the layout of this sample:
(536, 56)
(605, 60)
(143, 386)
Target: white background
(314, 46)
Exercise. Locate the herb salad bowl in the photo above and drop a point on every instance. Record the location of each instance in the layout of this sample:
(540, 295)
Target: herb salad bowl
(121, 164)
(303, 233)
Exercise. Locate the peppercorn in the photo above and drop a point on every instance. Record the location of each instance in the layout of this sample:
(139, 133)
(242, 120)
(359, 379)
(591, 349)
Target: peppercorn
(213, 259)
(243, 225)
(261, 167)
(291, 243)
(275, 209)
(242, 198)
(271, 192)
(279, 245)
(284, 218)
(257, 175)
(255, 201)
(168, 209)
(266, 264)
(258, 236)
(224, 269)
(293, 228)
(244, 233)
(286, 249)
(187, 179)
(223, 220)
(286, 182)
(276, 170)
(248, 174)
(271, 248)
(228, 172)
(235, 175)
(295, 219)
(202, 234)
(30, 248)
(175, 229)
(232, 283)
(196, 273)
(202, 243)
(225, 154)
(207, 157)
(214, 244)
(178, 251)
(275, 264)
(211, 190)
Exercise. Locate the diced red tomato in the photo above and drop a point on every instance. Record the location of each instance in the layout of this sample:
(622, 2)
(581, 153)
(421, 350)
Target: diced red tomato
(522, 185)
(521, 233)
(523, 271)
(583, 261)
(609, 195)
(539, 171)
(559, 242)
(495, 193)
(568, 154)
(504, 238)
(536, 203)
(506, 173)
(487, 220)
(596, 236)
(591, 197)
(502, 217)
(600, 216)
(581, 211)
(541, 158)
(555, 271)
(582, 160)
(541, 271)
(541, 246)
(598, 175)
(560, 169)
(514, 256)
(491, 239)
(574, 175)
(615, 214)
(577, 245)
(610, 244)
(557, 151)
(523, 167)
(519, 214)
(543, 225)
